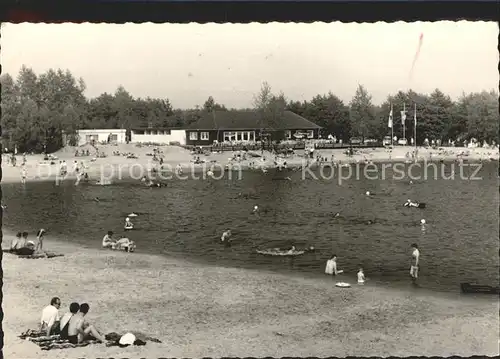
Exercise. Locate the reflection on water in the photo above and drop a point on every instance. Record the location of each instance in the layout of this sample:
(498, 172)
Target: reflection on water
(460, 241)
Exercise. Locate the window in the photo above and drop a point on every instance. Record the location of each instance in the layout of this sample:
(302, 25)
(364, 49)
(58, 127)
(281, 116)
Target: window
(245, 136)
(238, 136)
(288, 134)
(252, 136)
(229, 136)
(310, 133)
(193, 136)
(166, 132)
(204, 136)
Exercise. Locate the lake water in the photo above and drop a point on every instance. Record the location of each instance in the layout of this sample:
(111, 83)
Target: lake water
(459, 244)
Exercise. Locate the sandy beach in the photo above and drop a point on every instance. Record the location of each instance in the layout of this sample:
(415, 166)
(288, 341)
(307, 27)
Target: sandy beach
(116, 167)
(199, 311)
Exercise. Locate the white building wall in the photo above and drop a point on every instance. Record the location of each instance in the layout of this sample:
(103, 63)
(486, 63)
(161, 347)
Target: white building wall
(174, 136)
(99, 135)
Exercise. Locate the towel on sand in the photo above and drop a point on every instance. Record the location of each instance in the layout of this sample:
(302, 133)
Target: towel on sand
(50, 342)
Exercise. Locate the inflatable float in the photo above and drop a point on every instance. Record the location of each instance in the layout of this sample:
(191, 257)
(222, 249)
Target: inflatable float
(280, 252)
(128, 228)
(468, 288)
(342, 285)
(132, 215)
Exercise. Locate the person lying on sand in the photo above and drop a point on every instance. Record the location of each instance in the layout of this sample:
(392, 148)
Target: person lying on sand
(80, 330)
(124, 244)
(107, 240)
(64, 323)
(50, 317)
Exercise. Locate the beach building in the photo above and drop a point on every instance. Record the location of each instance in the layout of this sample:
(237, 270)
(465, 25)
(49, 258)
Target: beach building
(100, 136)
(158, 135)
(248, 127)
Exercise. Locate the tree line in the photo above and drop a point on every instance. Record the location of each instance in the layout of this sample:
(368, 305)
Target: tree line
(38, 109)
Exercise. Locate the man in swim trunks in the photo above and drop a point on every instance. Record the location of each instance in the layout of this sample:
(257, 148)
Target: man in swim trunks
(80, 330)
(64, 324)
(108, 241)
(415, 256)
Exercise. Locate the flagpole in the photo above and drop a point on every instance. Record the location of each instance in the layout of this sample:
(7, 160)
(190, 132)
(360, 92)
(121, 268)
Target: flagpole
(415, 124)
(404, 120)
(392, 127)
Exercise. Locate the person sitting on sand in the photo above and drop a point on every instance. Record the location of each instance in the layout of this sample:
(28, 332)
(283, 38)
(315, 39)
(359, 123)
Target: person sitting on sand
(107, 240)
(331, 266)
(49, 322)
(16, 242)
(79, 330)
(39, 237)
(25, 248)
(64, 323)
(128, 224)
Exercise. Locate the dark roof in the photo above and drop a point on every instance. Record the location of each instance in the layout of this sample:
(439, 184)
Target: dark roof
(246, 120)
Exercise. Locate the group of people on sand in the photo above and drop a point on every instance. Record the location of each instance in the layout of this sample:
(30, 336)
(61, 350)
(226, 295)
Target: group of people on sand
(121, 244)
(72, 326)
(20, 245)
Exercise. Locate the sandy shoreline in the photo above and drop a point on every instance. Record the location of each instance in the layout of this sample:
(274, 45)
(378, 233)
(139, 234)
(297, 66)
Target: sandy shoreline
(119, 167)
(212, 311)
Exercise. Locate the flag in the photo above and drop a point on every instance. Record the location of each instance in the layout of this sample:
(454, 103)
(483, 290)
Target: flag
(390, 119)
(403, 117)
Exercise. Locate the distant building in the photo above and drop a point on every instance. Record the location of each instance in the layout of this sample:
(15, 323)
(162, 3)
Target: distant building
(100, 135)
(158, 135)
(248, 127)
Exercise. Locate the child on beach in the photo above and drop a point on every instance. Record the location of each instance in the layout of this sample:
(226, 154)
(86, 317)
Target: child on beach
(361, 276)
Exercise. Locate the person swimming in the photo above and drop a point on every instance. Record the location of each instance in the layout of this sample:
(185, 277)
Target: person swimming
(128, 224)
(255, 209)
(410, 203)
(226, 237)
(368, 193)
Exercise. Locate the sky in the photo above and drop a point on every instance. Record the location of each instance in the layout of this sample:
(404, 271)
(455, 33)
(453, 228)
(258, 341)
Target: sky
(186, 63)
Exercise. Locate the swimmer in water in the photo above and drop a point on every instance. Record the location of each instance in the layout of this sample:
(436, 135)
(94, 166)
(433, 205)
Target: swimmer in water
(415, 257)
(331, 266)
(255, 209)
(368, 193)
(97, 199)
(336, 215)
(226, 237)
(128, 224)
